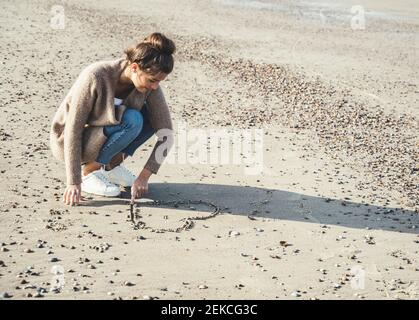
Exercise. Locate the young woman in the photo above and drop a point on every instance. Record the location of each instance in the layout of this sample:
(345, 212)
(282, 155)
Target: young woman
(111, 110)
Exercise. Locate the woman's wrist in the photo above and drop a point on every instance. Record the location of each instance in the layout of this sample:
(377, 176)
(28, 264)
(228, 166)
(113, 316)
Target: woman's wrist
(145, 174)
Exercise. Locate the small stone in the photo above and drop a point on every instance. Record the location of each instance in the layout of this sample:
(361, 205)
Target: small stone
(295, 294)
(55, 290)
(110, 293)
(233, 233)
(128, 284)
(30, 286)
(5, 295)
(202, 286)
(41, 290)
(28, 250)
(284, 243)
(54, 259)
(145, 297)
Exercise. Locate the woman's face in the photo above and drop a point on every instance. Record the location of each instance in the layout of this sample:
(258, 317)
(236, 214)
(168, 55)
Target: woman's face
(144, 81)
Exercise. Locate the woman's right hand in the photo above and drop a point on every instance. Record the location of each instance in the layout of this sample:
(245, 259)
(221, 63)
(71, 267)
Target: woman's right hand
(72, 194)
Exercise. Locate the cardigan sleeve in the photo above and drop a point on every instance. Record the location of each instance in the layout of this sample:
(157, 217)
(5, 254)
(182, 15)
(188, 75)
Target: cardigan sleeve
(161, 122)
(83, 95)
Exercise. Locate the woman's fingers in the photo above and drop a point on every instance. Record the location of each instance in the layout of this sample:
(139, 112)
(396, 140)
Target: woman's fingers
(133, 192)
(138, 191)
(76, 197)
(143, 191)
(72, 196)
(66, 197)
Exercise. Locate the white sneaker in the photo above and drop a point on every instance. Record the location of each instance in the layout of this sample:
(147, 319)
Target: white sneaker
(97, 183)
(120, 175)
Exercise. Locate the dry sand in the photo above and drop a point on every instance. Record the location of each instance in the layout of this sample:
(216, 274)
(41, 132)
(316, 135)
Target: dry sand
(333, 215)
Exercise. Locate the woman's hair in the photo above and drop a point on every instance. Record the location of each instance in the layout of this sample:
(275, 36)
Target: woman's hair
(153, 54)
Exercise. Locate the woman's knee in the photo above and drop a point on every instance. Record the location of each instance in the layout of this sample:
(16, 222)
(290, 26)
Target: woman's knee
(133, 120)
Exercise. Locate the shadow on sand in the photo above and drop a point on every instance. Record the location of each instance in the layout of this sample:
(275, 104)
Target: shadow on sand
(277, 204)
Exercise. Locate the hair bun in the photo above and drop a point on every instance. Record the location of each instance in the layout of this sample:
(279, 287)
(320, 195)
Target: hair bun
(161, 43)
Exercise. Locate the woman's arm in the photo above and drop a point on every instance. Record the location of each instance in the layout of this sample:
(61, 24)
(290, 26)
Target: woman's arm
(159, 116)
(160, 119)
(83, 94)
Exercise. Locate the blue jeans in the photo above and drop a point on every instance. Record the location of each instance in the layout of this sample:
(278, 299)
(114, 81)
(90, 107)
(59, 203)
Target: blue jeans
(126, 137)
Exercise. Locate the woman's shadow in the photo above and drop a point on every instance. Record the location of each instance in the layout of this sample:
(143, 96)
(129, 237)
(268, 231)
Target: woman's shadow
(277, 204)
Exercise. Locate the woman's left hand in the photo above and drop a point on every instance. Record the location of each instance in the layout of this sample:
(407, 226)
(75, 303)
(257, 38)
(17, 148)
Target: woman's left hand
(139, 187)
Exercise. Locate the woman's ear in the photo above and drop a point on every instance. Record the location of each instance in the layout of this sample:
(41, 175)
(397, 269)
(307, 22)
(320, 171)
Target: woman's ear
(134, 67)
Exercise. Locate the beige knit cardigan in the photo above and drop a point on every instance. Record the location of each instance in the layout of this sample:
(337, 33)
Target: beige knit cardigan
(76, 134)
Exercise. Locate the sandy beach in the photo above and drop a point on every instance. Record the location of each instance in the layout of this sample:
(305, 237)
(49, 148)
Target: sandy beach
(327, 207)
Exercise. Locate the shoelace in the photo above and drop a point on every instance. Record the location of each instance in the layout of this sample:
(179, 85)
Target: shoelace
(103, 178)
(126, 171)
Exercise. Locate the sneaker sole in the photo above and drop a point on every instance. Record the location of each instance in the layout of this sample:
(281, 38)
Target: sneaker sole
(109, 194)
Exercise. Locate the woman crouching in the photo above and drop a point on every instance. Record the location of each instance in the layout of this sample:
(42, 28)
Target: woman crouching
(110, 111)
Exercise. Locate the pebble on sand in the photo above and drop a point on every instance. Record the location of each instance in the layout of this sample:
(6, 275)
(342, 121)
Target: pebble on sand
(233, 233)
(295, 294)
(5, 295)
